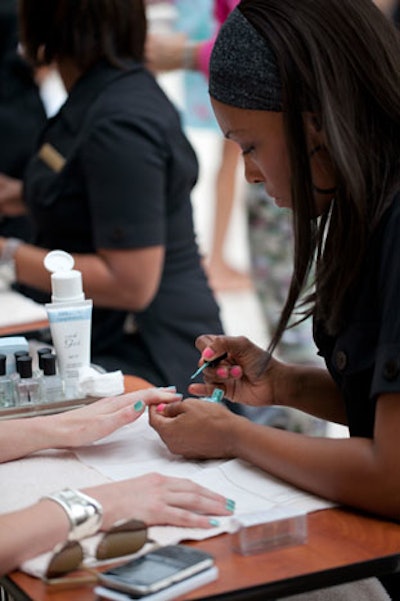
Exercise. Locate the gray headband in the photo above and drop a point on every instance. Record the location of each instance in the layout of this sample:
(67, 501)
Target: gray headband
(243, 69)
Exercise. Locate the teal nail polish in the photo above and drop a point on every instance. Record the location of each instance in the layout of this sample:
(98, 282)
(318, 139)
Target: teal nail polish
(217, 395)
(138, 406)
(230, 505)
(214, 522)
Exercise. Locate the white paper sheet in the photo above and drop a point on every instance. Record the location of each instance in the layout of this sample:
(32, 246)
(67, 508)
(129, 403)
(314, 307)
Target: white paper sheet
(18, 309)
(135, 450)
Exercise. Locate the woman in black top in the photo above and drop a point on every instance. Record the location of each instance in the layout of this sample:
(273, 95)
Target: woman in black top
(311, 93)
(22, 118)
(110, 183)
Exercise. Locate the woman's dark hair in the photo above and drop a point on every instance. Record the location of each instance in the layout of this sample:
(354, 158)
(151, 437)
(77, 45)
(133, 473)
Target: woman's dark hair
(341, 60)
(82, 30)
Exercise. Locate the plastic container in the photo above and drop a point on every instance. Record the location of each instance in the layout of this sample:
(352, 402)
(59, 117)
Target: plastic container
(70, 318)
(268, 530)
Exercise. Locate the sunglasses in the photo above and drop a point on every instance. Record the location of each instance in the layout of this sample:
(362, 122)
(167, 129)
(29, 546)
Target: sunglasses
(122, 539)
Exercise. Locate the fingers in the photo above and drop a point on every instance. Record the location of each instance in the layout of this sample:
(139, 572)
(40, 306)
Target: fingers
(233, 348)
(162, 411)
(149, 396)
(134, 405)
(189, 504)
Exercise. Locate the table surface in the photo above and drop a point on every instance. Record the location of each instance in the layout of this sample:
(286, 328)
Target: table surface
(342, 545)
(21, 328)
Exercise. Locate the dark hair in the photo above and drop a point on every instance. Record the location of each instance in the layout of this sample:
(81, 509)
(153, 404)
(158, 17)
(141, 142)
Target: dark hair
(82, 30)
(341, 60)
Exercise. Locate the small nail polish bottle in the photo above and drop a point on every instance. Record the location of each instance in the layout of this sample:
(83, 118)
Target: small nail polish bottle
(7, 398)
(27, 387)
(45, 350)
(52, 385)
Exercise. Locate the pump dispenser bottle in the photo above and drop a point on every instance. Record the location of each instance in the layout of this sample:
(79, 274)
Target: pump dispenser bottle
(70, 318)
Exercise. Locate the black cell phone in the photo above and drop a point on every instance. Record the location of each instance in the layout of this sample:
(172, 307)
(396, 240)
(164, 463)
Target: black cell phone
(156, 570)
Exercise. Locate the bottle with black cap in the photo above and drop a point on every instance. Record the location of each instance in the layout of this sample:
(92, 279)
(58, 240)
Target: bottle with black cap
(15, 377)
(44, 350)
(7, 398)
(27, 387)
(52, 385)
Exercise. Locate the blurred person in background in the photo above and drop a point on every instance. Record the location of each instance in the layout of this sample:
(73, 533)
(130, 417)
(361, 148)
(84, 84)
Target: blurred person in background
(188, 47)
(22, 118)
(110, 183)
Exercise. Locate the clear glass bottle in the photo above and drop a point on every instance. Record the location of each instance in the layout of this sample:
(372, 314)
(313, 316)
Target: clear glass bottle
(28, 387)
(52, 385)
(7, 398)
(45, 350)
(15, 377)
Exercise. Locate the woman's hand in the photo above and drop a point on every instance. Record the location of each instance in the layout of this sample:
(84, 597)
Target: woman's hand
(92, 422)
(11, 198)
(247, 375)
(196, 429)
(164, 52)
(161, 500)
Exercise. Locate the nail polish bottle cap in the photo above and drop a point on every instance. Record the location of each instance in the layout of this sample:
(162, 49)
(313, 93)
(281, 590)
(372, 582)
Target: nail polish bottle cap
(24, 366)
(45, 350)
(49, 364)
(66, 282)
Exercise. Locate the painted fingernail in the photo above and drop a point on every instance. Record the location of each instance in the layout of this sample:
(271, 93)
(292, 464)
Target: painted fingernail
(138, 406)
(236, 371)
(213, 522)
(222, 372)
(161, 407)
(208, 353)
(230, 505)
(217, 395)
(170, 388)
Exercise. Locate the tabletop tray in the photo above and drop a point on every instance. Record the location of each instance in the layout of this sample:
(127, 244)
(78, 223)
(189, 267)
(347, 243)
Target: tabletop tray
(45, 408)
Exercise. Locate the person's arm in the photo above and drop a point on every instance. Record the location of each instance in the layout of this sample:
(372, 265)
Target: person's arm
(30, 532)
(153, 498)
(247, 377)
(359, 472)
(386, 6)
(121, 279)
(20, 437)
(127, 277)
(11, 198)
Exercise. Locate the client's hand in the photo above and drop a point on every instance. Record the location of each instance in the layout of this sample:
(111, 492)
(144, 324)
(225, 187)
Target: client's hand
(20, 437)
(92, 422)
(161, 500)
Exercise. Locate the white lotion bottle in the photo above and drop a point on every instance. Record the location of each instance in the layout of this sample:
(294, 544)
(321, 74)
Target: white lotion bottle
(70, 318)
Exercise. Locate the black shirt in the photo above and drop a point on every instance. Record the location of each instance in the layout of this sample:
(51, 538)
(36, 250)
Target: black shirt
(22, 114)
(364, 359)
(122, 180)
